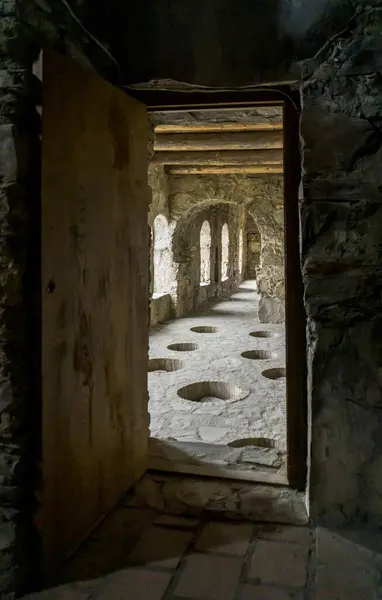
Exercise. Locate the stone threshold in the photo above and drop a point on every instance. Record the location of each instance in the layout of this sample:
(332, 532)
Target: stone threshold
(185, 495)
(248, 463)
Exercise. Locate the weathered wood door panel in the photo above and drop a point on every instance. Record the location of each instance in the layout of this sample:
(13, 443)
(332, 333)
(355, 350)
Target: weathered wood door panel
(94, 300)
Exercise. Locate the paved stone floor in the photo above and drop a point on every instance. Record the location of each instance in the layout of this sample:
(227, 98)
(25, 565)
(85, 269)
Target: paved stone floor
(256, 408)
(144, 555)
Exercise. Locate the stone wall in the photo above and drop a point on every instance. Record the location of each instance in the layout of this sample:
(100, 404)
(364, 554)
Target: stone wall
(161, 305)
(20, 385)
(262, 198)
(186, 202)
(185, 293)
(341, 225)
(191, 294)
(219, 43)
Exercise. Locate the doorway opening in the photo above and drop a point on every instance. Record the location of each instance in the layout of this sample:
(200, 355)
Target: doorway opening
(231, 186)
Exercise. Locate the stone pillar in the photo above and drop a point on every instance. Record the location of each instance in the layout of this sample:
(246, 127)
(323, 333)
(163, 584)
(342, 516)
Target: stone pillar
(270, 277)
(270, 274)
(20, 410)
(341, 224)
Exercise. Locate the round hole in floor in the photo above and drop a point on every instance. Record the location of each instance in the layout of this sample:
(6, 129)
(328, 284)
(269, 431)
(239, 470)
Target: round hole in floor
(205, 391)
(264, 334)
(259, 442)
(165, 364)
(183, 347)
(258, 354)
(277, 373)
(204, 329)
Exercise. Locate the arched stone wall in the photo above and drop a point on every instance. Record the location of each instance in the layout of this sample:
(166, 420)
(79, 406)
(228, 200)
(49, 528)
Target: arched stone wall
(262, 197)
(161, 302)
(186, 252)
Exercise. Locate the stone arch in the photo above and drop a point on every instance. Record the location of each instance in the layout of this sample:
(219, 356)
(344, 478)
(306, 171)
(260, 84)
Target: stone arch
(205, 253)
(224, 264)
(185, 220)
(253, 249)
(267, 214)
(162, 256)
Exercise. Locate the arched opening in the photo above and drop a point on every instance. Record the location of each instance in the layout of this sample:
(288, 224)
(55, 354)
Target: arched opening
(241, 249)
(205, 253)
(253, 249)
(161, 255)
(225, 252)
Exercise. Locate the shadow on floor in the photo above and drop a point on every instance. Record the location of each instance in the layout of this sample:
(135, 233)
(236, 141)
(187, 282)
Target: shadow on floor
(141, 554)
(134, 537)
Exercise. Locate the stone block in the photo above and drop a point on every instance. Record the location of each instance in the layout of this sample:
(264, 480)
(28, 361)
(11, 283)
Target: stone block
(332, 142)
(147, 492)
(12, 44)
(225, 538)
(279, 563)
(271, 310)
(175, 522)
(135, 584)
(7, 535)
(339, 190)
(194, 495)
(347, 397)
(363, 56)
(160, 547)
(123, 526)
(69, 592)
(301, 536)
(8, 8)
(333, 583)
(13, 154)
(212, 577)
(339, 551)
(341, 237)
(262, 592)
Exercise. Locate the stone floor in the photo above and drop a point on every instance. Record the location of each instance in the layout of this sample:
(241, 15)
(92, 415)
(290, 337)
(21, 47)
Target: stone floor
(138, 554)
(254, 406)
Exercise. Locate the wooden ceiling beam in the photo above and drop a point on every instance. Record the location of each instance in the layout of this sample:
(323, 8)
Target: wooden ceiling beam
(213, 127)
(182, 142)
(219, 158)
(227, 170)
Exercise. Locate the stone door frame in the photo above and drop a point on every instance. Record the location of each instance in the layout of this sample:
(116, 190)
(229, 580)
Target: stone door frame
(296, 357)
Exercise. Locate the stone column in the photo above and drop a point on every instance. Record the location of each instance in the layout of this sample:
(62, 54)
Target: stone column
(20, 369)
(341, 224)
(270, 273)
(270, 276)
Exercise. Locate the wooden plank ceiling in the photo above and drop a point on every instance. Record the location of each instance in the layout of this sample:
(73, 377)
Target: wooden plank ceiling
(226, 141)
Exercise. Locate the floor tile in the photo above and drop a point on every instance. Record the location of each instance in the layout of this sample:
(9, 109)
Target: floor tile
(206, 577)
(225, 538)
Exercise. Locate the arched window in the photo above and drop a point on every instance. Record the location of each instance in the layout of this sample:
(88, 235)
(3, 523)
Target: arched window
(205, 253)
(241, 248)
(162, 255)
(225, 252)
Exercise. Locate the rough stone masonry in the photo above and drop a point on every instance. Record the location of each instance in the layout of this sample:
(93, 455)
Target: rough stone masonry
(19, 293)
(341, 224)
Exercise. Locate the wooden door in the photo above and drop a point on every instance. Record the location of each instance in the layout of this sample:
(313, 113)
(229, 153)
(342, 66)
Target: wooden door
(94, 301)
